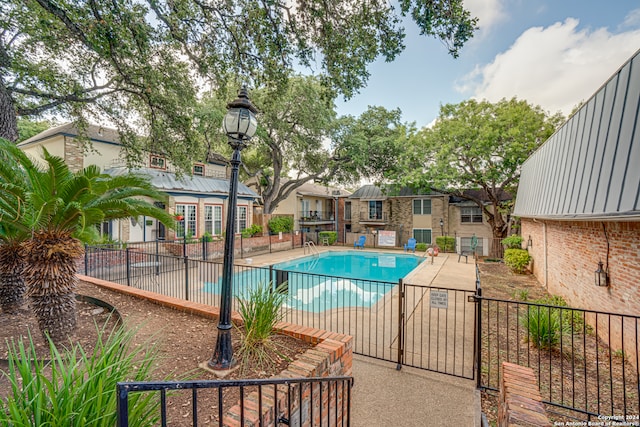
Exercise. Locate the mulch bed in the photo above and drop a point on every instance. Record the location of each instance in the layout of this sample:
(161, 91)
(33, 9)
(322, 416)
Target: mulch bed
(183, 340)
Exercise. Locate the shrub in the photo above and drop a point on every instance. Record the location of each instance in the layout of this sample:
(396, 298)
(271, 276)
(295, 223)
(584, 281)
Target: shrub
(252, 231)
(446, 243)
(76, 388)
(281, 224)
(260, 311)
(331, 235)
(421, 247)
(512, 242)
(544, 326)
(206, 237)
(517, 259)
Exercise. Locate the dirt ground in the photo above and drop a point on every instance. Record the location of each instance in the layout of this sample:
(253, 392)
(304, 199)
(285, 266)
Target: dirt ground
(184, 341)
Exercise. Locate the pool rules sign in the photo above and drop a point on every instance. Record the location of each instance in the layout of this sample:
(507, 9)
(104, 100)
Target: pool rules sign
(439, 299)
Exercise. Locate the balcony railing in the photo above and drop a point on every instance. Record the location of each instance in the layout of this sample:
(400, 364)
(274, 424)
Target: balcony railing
(374, 217)
(316, 216)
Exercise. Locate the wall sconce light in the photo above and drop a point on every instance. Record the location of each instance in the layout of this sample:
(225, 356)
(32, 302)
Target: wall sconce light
(529, 242)
(601, 276)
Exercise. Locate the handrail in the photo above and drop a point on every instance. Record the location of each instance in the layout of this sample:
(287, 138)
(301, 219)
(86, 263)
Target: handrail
(312, 247)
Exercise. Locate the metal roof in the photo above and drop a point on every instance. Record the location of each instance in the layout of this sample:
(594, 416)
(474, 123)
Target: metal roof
(316, 190)
(590, 168)
(197, 185)
(368, 192)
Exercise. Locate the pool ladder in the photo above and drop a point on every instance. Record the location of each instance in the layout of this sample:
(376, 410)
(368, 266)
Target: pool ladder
(312, 247)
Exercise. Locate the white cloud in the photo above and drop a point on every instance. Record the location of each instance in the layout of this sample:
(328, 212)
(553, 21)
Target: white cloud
(632, 20)
(555, 67)
(488, 12)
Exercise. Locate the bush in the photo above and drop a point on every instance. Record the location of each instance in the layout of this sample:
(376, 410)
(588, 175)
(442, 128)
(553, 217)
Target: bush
(206, 237)
(252, 231)
(421, 247)
(544, 326)
(281, 224)
(517, 259)
(512, 242)
(446, 243)
(331, 235)
(260, 309)
(76, 388)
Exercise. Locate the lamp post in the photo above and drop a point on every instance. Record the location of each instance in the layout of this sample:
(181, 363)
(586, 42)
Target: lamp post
(240, 125)
(441, 227)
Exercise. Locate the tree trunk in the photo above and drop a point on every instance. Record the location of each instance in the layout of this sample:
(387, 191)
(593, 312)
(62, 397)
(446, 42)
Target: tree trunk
(8, 119)
(12, 286)
(50, 275)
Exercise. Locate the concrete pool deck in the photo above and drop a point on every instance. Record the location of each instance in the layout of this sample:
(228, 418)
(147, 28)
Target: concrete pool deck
(385, 396)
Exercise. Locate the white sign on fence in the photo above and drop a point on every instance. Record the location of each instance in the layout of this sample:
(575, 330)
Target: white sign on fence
(386, 238)
(439, 299)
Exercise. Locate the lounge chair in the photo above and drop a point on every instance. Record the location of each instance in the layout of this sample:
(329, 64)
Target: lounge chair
(410, 245)
(360, 242)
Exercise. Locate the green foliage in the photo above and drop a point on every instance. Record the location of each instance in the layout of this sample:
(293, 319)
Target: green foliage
(517, 259)
(77, 388)
(28, 128)
(521, 294)
(446, 243)
(544, 326)
(570, 318)
(260, 309)
(477, 145)
(512, 242)
(331, 235)
(281, 224)
(421, 247)
(206, 237)
(252, 231)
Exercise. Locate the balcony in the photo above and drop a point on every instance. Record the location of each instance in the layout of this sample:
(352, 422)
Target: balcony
(374, 217)
(316, 217)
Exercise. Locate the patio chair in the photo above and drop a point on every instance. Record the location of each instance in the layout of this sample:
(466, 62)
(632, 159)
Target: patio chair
(410, 245)
(360, 242)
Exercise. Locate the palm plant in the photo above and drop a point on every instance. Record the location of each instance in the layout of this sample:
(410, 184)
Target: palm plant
(61, 210)
(12, 286)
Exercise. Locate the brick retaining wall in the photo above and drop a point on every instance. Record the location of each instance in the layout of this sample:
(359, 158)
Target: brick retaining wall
(520, 402)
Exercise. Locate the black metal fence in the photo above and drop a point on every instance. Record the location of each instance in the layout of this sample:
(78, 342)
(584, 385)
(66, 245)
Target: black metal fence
(265, 402)
(586, 361)
(572, 351)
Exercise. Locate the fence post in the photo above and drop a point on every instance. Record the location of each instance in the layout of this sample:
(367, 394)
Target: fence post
(478, 328)
(184, 244)
(241, 247)
(186, 277)
(128, 266)
(86, 259)
(157, 259)
(204, 249)
(122, 406)
(269, 236)
(400, 324)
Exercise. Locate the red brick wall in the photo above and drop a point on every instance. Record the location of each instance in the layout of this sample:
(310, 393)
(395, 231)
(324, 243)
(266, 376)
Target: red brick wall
(573, 249)
(520, 402)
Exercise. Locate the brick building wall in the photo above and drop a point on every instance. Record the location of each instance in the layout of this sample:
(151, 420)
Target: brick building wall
(566, 255)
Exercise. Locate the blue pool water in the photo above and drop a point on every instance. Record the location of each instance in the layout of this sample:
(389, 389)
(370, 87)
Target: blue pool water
(357, 279)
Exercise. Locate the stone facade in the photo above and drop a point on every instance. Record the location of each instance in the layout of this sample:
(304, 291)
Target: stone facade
(73, 154)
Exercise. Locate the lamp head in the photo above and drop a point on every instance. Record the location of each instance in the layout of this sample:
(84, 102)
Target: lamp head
(240, 122)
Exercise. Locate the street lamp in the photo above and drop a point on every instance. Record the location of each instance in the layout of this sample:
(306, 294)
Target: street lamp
(240, 125)
(441, 227)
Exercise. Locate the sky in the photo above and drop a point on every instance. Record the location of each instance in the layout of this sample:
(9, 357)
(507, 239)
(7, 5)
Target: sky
(552, 53)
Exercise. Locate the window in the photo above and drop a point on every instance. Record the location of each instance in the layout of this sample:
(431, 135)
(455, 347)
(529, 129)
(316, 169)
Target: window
(104, 229)
(157, 162)
(422, 235)
(189, 214)
(347, 211)
(241, 222)
(422, 206)
(471, 214)
(306, 209)
(213, 220)
(198, 170)
(375, 209)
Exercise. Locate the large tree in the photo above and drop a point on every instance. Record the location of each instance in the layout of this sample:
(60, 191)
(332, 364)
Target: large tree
(139, 63)
(299, 140)
(478, 145)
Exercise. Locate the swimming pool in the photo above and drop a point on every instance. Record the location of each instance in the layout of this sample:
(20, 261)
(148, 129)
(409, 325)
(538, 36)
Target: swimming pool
(333, 279)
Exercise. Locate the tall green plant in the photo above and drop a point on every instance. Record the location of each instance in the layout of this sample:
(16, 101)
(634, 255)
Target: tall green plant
(281, 224)
(77, 388)
(261, 310)
(544, 326)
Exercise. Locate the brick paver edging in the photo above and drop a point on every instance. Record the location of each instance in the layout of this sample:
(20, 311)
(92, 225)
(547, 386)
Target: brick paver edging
(331, 356)
(520, 402)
